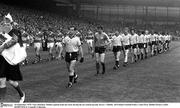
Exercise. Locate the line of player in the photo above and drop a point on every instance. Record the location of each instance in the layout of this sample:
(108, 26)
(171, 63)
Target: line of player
(137, 45)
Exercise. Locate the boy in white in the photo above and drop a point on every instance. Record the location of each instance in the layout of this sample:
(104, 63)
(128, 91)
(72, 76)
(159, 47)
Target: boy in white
(117, 47)
(133, 42)
(126, 45)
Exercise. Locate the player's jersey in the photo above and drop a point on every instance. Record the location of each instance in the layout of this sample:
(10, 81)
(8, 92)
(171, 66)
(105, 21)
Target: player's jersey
(126, 39)
(51, 38)
(38, 37)
(101, 39)
(72, 44)
(154, 38)
(59, 38)
(25, 37)
(147, 38)
(133, 39)
(169, 37)
(141, 38)
(117, 40)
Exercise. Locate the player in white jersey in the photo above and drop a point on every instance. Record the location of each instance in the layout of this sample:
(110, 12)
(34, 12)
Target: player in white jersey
(133, 42)
(126, 45)
(141, 45)
(146, 43)
(89, 40)
(153, 39)
(101, 42)
(72, 47)
(117, 48)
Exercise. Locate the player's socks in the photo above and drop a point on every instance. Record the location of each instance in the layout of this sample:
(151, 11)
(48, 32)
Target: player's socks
(75, 78)
(18, 89)
(70, 80)
(103, 67)
(97, 67)
(117, 63)
(2, 93)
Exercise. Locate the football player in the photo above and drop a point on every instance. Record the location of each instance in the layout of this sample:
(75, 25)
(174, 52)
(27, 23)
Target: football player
(117, 47)
(72, 48)
(101, 42)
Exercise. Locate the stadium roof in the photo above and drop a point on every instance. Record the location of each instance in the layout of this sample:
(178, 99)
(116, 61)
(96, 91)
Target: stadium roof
(166, 3)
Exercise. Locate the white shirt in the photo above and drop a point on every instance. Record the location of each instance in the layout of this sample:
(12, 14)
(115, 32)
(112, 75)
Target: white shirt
(117, 40)
(141, 39)
(72, 44)
(126, 39)
(134, 39)
(147, 38)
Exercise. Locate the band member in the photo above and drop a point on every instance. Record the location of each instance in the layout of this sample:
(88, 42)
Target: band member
(126, 46)
(117, 48)
(72, 47)
(133, 41)
(101, 42)
(5, 27)
(12, 72)
(58, 44)
(50, 43)
(37, 45)
(89, 39)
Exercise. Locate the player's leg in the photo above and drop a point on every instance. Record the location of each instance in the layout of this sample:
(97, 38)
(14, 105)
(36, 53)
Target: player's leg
(72, 73)
(37, 52)
(51, 51)
(59, 49)
(15, 84)
(97, 56)
(102, 59)
(126, 57)
(135, 54)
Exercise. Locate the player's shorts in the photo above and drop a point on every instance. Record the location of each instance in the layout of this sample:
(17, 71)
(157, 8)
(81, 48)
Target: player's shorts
(38, 45)
(58, 44)
(166, 41)
(117, 48)
(90, 42)
(141, 45)
(134, 46)
(70, 56)
(150, 43)
(153, 42)
(50, 45)
(126, 47)
(100, 50)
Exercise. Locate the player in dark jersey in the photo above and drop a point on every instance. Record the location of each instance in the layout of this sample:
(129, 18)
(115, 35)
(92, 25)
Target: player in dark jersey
(38, 45)
(89, 40)
(58, 44)
(101, 42)
(26, 41)
(50, 43)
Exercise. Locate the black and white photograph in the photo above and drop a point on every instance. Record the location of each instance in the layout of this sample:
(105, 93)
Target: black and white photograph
(89, 51)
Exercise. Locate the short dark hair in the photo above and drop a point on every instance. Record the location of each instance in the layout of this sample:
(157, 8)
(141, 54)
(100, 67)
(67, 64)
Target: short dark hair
(100, 27)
